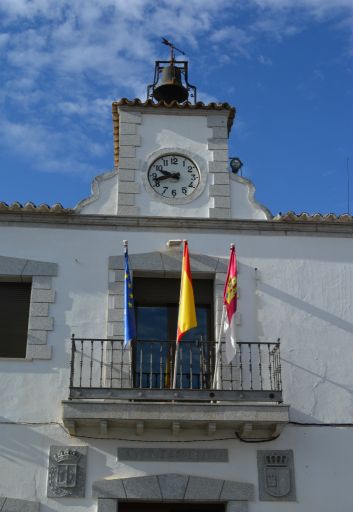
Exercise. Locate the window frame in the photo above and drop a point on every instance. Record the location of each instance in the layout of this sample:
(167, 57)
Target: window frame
(15, 300)
(161, 264)
(40, 274)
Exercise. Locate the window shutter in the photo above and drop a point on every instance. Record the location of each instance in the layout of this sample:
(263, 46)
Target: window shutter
(14, 314)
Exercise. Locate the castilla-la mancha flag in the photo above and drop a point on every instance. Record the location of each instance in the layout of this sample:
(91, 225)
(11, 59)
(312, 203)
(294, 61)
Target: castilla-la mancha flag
(187, 311)
(230, 304)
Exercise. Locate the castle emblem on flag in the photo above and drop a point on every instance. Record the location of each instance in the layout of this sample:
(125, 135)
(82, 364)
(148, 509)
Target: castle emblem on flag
(231, 290)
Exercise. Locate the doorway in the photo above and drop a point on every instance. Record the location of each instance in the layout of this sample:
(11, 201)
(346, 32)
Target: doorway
(170, 507)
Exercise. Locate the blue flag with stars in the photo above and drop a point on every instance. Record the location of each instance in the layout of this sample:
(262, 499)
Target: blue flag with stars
(129, 310)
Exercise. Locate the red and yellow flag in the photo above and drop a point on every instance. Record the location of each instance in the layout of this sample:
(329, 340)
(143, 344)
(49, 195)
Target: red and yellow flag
(187, 312)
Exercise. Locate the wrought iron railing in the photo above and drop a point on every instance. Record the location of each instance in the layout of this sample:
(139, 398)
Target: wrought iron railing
(102, 368)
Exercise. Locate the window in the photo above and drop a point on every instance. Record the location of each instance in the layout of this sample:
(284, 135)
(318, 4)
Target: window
(156, 303)
(14, 315)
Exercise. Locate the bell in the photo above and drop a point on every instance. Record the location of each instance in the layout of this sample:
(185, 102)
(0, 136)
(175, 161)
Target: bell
(170, 87)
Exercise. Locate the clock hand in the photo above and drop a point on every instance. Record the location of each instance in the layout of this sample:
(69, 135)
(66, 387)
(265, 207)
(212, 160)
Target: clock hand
(166, 173)
(161, 178)
(173, 175)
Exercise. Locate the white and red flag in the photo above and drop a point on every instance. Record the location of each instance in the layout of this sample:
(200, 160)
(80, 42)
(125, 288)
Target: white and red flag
(230, 305)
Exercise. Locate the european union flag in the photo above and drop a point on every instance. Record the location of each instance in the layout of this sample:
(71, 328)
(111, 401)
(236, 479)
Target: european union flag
(129, 310)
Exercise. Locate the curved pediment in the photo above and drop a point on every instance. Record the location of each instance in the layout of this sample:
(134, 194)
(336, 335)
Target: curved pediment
(173, 487)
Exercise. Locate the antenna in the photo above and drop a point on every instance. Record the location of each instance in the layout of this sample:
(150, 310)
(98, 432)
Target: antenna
(348, 186)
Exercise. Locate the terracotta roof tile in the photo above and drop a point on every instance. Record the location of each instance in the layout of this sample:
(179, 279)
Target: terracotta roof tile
(32, 208)
(316, 217)
(289, 217)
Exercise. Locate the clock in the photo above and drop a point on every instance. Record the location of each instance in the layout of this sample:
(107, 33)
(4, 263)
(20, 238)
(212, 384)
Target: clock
(174, 177)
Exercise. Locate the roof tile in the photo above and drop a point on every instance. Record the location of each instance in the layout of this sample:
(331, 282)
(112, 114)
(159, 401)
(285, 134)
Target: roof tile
(316, 217)
(32, 208)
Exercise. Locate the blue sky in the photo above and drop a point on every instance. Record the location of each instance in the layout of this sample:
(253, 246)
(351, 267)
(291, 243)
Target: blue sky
(287, 66)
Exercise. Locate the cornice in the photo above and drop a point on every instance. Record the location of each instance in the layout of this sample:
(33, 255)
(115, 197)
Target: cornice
(265, 227)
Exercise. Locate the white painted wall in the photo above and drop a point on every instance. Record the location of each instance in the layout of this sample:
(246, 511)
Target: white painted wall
(322, 458)
(163, 132)
(243, 201)
(104, 196)
(304, 295)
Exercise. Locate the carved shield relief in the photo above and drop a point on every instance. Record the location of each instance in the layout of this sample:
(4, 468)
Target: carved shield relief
(276, 475)
(277, 480)
(66, 475)
(67, 471)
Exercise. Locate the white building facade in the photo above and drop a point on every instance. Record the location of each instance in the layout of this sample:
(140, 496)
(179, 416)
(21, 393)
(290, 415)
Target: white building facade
(88, 425)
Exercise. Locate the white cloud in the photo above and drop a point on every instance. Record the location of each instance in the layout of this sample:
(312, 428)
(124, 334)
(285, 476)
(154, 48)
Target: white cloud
(66, 61)
(206, 98)
(83, 107)
(317, 7)
(45, 147)
(281, 18)
(232, 38)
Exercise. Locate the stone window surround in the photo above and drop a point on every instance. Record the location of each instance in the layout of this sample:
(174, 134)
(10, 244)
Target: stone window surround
(161, 264)
(40, 274)
(175, 488)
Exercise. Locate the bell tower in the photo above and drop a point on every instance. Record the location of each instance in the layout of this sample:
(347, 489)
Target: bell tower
(171, 151)
(171, 79)
(171, 156)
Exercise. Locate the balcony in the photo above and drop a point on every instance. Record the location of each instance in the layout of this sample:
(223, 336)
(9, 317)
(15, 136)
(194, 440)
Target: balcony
(112, 388)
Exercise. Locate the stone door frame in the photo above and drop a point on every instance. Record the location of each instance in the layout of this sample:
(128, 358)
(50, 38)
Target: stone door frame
(175, 488)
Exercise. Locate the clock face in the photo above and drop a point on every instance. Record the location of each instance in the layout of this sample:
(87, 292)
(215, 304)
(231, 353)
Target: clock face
(173, 176)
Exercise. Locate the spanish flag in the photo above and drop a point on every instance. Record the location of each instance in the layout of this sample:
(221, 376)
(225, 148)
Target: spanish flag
(187, 312)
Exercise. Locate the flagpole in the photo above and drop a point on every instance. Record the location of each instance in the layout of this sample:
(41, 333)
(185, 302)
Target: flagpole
(176, 360)
(218, 350)
(224, 313)
(176, 356)
(126, 245)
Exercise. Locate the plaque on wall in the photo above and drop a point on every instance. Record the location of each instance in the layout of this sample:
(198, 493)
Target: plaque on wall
(67, 472)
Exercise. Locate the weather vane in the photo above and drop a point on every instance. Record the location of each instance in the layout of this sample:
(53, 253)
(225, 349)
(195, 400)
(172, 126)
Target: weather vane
(172, 48)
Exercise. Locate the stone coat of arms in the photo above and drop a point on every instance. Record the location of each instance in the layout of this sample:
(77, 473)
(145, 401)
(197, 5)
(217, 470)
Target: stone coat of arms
(66, 474)
(276, 475)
